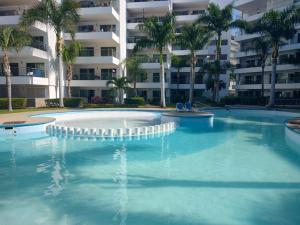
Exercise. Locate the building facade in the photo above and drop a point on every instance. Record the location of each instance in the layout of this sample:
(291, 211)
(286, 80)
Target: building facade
(249, 67)
(108, 31)
(33, 67)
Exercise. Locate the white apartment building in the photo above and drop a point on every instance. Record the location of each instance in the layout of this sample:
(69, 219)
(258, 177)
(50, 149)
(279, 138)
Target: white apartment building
(249, 67)
(108, 31)
(33, 67)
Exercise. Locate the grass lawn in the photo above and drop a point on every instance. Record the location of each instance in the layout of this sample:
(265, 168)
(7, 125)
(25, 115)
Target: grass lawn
(27, 110)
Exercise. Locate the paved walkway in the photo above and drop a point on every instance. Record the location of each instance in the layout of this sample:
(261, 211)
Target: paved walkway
(25, 117)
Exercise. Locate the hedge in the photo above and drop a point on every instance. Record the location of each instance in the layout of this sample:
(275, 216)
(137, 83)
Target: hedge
(135, 101)
(233, 100)
(68, 102)
(17, 103)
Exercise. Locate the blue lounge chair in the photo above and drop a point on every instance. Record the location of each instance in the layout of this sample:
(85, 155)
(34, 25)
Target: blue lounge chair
(188, 107)
(179, 107)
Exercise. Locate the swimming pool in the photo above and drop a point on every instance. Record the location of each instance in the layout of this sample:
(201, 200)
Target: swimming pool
(240, 170)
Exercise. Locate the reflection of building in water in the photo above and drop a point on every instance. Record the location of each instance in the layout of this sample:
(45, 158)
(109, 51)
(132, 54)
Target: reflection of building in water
(57, 167)
(121, 196)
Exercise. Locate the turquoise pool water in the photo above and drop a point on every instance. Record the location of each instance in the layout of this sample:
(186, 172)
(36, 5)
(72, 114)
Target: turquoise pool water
(241, 171)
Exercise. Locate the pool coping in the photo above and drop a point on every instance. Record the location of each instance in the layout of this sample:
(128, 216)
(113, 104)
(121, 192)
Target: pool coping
(32, 118)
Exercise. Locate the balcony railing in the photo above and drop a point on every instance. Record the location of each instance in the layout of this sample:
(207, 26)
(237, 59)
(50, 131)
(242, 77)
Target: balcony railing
(39, 45)
(141, 19)
(86, 77)
(93, 76)
(9, 12)
(147, 0)
(189, 12)
(96, 3)
(29, 73)
(95, 28)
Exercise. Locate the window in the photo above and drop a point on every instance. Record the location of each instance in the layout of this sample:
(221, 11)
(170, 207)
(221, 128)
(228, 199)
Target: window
(87, 51)
(156, 77)
(35, 69)
(38, 42)
(143, 94)
(108, 28)
(87, 74)
(108, 51)
(156, 94)
(86, 28)
(105, 93)
(108, 74)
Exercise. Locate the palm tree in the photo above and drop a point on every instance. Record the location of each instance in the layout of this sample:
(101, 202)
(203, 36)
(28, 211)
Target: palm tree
(134, 70)
(159, 33)
(178, 63)
(217, 20)
(213, 69)
(62, 17)
(11, 38)
(69, 55)
(262, 47)
(277, 26)
(118, 86)
(193, 37)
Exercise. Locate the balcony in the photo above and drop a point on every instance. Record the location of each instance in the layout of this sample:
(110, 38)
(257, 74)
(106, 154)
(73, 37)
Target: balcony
(150, 85)
(95, 33)
(154, 6)
(29, 52)
(187, 86)
(105, 60)
(89, 83)
(11, 16)
(257, 69)
(278, 86)
(188, 15)
(98, 10)
(32, 77)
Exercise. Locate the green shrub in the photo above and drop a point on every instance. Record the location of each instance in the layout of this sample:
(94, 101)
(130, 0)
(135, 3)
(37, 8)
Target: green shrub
(52, 102)
(68, 102)
(73, 102)
(17, 103)
(135, 101)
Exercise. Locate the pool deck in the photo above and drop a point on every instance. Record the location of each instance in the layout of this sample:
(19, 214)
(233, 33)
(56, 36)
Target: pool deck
(25, 118)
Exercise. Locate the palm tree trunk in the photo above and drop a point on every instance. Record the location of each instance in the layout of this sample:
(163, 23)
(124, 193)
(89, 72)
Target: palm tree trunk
(59, 45)
(7, 72)
(162, 81)
(273, 80)
(263, 80)
(134, 87)
(192, 77)
(177, 90)
(218, 57)
(69, 78)
(120, 96)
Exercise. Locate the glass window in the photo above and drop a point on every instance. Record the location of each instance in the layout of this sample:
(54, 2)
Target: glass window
(108, 51)
(87, 74)
(87, 51)
(156, 77)
(108, 74)
(35, 69)
(86, 28)
(108, 28)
